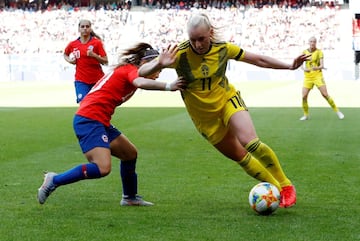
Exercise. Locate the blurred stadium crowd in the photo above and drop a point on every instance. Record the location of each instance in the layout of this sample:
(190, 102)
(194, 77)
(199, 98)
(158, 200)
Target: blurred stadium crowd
(35, 5)
(259, 26)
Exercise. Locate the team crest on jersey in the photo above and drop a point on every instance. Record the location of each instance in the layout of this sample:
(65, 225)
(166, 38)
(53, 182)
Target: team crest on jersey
(105, 138)
(205, 70)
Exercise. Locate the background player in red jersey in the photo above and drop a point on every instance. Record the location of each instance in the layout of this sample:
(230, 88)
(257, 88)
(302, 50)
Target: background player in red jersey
(99, 140)
(88, 54)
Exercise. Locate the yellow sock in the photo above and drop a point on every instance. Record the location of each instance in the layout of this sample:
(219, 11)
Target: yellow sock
(269, 160)
(332, 103)
(254, 168)
(305, 107)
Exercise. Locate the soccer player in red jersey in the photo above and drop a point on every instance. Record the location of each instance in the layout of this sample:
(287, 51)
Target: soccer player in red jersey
(99, 140)
(88, 54)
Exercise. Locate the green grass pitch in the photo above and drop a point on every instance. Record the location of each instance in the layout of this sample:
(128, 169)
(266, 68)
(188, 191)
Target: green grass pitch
(198, 194)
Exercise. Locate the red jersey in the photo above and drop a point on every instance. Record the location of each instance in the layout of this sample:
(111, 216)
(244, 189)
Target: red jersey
(88, 69)
(111, 91)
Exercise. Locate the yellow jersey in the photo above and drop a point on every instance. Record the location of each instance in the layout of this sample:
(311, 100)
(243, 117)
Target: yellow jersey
(314, 61)
(208, 89)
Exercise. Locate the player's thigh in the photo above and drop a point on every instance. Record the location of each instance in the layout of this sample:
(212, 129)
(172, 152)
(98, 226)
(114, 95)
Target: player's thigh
(211, 128)
(318, 82)
(122, 148)
(231, 147)
(94, 143)
(101, 156)
(81, 90)
(323, 90)
(305, 92)
(238, 120)
(90, 133)
(242, 126)
(308, 84)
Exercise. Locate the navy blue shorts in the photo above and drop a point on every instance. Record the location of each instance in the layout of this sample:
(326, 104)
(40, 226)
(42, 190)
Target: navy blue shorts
(91, 133)
(81, 89)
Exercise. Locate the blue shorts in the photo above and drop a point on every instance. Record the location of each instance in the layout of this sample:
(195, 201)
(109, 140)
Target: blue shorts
(81, 89)
(91, 133)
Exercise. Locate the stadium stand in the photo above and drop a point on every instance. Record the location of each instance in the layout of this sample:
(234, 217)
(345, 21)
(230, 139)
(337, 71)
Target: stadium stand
(33, 39)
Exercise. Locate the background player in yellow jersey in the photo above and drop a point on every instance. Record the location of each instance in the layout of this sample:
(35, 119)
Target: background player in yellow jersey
(313, 76)
(216, 107)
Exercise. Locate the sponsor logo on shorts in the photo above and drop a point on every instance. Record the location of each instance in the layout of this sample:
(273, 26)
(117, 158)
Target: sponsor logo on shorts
(105, 138)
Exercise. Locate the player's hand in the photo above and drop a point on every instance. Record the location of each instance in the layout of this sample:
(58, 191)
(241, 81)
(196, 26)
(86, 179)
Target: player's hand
(70, 58)
(178, 84)
(168, 56)
(298, 61)
(90, 53)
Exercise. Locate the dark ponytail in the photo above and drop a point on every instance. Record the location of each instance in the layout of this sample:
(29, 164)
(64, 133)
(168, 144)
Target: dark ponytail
(136, 54)
(92, 33)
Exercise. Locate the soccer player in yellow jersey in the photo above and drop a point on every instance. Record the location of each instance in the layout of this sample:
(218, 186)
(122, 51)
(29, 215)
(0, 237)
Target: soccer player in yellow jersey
(313, 76)
(216, 107)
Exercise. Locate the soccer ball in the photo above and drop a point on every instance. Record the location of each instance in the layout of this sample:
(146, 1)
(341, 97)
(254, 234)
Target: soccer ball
(264, 198)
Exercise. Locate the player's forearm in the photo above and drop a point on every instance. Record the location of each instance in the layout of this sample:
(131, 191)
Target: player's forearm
(148, 84)
(265, 61)
(101, 60)
(69, 59)
(269, 62)
(149, 68)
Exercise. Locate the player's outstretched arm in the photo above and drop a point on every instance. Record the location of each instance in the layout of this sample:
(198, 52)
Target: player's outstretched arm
(273, 63)
(166, 58)
(150, 84)
(298, 61)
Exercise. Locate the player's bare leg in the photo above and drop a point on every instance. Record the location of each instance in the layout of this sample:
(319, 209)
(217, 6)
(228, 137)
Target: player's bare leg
(325, 94)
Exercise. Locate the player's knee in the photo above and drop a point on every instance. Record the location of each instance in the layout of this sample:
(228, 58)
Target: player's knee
(105, 169)
(130, 154)
(305, 96)
(233, 152)
(238, 154)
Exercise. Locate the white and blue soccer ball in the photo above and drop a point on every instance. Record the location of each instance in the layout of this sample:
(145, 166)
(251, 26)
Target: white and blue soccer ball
(264, 198)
